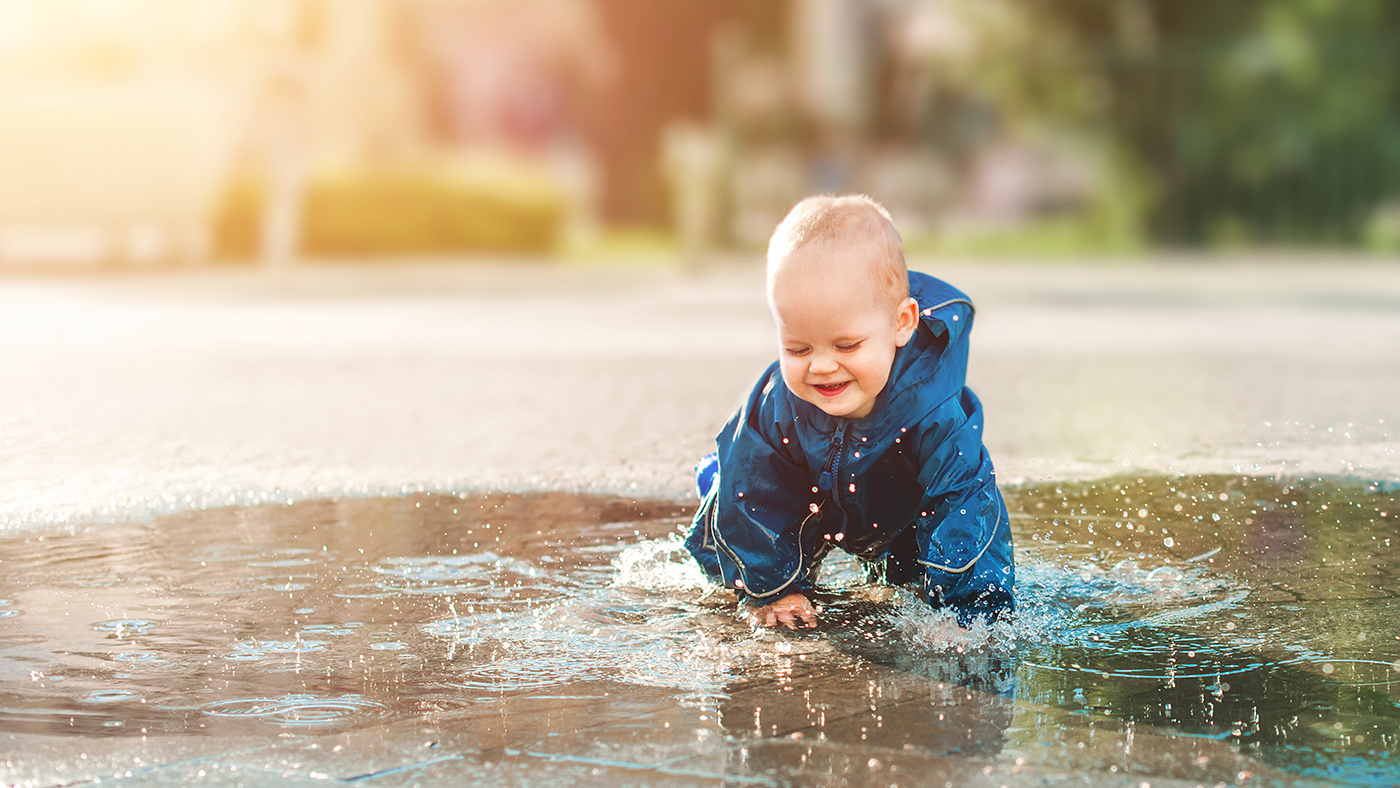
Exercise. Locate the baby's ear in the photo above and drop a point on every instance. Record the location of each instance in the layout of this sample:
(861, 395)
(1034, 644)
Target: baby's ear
(906, 320)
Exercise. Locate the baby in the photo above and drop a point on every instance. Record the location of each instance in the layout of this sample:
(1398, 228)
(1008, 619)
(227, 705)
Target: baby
(862, 436)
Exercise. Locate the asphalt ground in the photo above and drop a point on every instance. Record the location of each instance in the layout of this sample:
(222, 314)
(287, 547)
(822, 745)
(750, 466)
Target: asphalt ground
(126, 395)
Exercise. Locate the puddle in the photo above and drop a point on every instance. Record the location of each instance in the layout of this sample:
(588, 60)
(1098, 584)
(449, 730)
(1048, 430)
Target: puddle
(1193, 628)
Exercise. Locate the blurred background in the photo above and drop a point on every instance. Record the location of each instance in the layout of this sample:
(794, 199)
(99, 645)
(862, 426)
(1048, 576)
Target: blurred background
(260, 132)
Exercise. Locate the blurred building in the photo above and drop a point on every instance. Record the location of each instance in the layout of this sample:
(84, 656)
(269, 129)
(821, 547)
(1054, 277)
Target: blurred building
(137, 130)
(919, 103)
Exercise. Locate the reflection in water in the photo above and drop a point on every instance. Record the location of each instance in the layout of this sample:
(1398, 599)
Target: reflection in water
(1188, 628)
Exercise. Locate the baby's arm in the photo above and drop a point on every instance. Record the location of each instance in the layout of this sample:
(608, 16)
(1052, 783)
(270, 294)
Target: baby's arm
(964, 539)
(790, 610)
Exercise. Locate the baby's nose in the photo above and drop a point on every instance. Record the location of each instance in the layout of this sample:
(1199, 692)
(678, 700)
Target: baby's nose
(823, 363)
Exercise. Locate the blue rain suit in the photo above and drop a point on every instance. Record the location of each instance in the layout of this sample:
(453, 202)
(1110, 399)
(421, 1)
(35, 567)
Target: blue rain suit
(908, 489)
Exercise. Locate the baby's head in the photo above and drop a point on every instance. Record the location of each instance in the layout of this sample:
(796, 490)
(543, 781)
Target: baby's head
(839, 291)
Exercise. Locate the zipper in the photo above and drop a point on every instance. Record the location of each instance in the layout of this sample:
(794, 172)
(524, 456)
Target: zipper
(830, 479)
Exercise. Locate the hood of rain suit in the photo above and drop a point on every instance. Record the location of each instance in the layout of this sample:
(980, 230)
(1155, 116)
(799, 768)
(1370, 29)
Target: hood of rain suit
(795, 481)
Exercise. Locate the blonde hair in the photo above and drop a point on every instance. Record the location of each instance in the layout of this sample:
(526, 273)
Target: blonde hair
(853, 221)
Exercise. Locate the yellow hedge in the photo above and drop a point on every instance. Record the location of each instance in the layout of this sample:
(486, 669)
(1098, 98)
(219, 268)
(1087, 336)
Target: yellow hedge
(408, 209)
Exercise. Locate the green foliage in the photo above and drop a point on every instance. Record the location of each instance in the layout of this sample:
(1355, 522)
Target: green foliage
(1269, 121)
(1382, 230)
(1004, 63)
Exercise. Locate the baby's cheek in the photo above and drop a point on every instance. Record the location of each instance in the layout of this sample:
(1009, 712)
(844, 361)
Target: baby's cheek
(792, 376)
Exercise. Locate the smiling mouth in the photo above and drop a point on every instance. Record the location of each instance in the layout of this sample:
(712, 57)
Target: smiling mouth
(831, 389)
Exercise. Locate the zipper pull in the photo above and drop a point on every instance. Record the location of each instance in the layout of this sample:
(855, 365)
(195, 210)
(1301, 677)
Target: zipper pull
(827, 478)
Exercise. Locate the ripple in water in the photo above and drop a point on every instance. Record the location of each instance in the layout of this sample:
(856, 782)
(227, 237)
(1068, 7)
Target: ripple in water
(142, 657)
(255, 650)
(300, 710)
(125, 627)
(109, 696)
(335, 630)
(577, 640)
(287, 562)
(480, 573)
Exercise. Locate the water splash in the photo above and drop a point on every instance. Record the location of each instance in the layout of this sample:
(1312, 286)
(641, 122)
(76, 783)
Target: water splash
(662, 565)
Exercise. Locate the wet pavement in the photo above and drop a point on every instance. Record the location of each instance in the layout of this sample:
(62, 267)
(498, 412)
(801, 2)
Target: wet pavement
(222, 417)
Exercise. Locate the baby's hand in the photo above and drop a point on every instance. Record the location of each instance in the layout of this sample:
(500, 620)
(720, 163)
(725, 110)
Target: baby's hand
(792, 611)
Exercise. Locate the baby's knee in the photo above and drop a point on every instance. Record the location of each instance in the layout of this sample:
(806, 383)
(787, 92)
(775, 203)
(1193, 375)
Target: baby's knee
(705, 472)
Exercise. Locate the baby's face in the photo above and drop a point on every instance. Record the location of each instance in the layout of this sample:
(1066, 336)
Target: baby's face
(836, 336)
